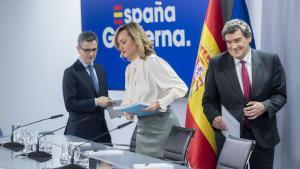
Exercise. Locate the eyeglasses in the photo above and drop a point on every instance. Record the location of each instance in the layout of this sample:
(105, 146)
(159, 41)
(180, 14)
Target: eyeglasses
(88, 50)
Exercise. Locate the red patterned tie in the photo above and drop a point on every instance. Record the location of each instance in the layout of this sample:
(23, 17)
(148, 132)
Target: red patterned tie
(247, 89)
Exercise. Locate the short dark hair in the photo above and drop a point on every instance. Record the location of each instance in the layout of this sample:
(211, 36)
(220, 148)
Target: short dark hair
(234, 25)
(88, 36)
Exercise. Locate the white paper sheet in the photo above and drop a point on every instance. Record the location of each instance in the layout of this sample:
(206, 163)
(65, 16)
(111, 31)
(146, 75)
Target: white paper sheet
(153, 166)
(112, 113)
(104, 152)
(74, 144)
(233, 126)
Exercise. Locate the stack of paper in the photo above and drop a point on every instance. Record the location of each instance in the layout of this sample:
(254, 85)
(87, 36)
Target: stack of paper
(74, 144)
(103, 152)
(112, 113)
(153, 166)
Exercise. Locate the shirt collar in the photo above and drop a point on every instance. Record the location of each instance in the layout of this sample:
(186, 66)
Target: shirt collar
(84, 64)
(247, 58)
(137, 61)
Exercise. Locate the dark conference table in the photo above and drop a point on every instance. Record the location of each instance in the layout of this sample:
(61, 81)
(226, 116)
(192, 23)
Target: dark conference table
(124, 161)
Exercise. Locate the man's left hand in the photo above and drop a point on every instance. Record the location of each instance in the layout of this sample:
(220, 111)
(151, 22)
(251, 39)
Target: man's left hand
(254, 109)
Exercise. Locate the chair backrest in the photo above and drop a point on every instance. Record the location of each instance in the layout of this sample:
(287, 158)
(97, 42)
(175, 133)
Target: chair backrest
(177, 143)
(132, 144)
(235, 153)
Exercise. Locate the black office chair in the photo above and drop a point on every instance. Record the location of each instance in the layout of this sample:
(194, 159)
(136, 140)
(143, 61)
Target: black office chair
(235, 153)
(177, 144)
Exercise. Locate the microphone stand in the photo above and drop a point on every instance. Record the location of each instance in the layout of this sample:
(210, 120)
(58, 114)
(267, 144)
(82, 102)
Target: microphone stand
(42, 156)
(14, 146)
(76, 166)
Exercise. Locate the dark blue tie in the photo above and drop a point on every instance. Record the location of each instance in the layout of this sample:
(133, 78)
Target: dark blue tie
(94, 78)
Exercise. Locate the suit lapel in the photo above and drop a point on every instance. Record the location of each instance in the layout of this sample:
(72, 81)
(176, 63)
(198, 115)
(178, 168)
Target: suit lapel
(257, 72)
(231, 75)
(85, 74)
(99, 76)
(88, 78)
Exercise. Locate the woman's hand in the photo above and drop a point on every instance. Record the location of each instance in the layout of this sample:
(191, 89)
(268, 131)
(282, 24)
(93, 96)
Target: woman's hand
(128, 116)
(154, 106)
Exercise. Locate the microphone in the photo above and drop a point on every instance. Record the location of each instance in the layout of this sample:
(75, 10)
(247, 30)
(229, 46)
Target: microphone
(14, 146)
(76, 166)
(56, 116)
(122, 125)
(42, 156)
(127, 147)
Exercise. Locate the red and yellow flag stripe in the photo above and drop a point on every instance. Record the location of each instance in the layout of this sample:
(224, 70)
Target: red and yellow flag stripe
(202, 150)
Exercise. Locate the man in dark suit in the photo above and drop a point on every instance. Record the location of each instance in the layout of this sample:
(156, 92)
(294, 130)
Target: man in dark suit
(251, 85)
(85, 92)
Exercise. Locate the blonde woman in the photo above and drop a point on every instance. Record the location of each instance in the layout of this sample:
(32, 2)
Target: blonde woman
(150, 80)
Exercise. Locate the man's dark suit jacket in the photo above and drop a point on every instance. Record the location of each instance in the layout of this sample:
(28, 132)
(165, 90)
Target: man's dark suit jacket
(79, 96)
(268, 86)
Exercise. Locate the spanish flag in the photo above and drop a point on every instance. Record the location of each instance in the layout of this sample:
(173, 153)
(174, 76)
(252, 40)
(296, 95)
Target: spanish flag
(202, 150)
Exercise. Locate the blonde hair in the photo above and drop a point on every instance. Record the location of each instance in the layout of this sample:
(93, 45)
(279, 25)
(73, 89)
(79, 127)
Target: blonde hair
(138, 35)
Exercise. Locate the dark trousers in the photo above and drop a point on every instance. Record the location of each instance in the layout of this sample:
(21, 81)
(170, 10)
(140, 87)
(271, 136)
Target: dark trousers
(261, 158)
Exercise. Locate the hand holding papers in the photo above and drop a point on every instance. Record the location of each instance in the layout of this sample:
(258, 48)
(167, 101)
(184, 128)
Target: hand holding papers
(233, 126)
(134, 108)
(112, 113)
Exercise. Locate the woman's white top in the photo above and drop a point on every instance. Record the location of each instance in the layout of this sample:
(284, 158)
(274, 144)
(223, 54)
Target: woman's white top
(152, 80)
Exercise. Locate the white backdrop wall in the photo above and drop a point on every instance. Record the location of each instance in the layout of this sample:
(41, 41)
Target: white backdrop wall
(280, 34)
(38, 40)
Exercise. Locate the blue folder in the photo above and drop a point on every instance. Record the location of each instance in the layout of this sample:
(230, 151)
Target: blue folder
(135, 108)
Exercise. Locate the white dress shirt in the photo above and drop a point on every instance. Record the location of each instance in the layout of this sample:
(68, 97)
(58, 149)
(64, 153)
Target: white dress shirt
(248, 64)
